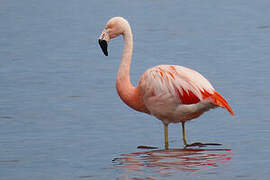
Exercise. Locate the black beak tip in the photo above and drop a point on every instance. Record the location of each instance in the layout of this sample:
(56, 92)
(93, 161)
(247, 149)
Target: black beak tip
(104, 45)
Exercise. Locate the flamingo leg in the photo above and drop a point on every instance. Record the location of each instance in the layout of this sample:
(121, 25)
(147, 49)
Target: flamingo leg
(184, 133)
(166, 136)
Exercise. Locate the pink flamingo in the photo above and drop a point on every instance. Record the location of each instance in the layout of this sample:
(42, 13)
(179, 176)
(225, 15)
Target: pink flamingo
(171, 93)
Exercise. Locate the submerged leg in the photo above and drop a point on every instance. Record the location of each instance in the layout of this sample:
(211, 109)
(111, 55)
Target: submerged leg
(166, 136)
(184, 133)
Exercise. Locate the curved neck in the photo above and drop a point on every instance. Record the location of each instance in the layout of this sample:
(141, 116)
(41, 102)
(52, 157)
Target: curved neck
(127, 92)
(123, 76)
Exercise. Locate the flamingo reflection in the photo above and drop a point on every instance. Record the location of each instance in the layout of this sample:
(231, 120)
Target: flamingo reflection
(167, 162)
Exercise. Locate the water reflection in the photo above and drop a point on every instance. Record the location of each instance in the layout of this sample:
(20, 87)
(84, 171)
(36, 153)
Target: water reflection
(167, 162)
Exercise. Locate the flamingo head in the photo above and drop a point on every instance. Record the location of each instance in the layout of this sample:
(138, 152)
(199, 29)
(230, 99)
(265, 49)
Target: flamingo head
(115, 27)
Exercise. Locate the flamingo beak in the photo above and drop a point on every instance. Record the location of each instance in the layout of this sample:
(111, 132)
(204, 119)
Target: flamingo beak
(104, 45)
(103, 41)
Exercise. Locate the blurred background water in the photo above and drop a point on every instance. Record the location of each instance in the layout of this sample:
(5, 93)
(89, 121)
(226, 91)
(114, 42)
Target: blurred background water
(60, 115)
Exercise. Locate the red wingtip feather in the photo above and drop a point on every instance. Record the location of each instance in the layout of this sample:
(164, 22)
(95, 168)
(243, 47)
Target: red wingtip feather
(220, 101)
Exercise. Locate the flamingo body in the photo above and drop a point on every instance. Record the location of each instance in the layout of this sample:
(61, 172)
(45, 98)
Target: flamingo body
(171, 93)
(176, 94)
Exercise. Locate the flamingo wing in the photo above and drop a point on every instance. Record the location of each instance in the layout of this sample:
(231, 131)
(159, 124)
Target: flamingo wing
(185, 85)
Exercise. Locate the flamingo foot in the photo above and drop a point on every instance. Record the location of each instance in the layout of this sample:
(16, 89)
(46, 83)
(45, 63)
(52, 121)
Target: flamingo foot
(146, 147)
(199, 144)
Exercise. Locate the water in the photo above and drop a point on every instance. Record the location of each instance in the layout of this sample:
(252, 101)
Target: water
(61, 118)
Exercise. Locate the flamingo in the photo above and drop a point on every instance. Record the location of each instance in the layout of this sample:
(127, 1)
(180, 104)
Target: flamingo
(171, 93)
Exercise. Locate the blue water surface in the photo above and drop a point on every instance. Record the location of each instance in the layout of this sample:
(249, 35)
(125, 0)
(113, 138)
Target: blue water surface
(61, 117)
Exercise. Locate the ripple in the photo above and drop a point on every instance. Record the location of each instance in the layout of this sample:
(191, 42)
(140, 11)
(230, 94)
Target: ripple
(264, 27)
(9, 161)
(88, 176)
(75, 96)
(5, 117)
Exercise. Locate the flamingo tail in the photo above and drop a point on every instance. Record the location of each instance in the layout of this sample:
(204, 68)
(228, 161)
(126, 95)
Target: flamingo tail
(220, 101)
